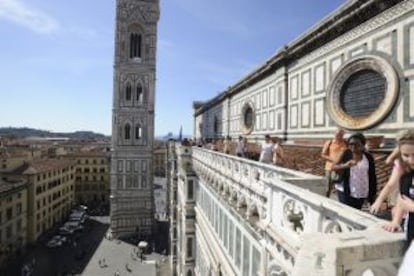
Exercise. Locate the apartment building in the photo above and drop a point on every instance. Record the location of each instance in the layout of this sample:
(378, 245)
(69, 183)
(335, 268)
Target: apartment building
(92, 176)
(13, 217)
(11, 161)
(160, 161)
(50, 193)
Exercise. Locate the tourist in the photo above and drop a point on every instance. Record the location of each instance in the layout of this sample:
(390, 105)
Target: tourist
(267, 150)
(393, 156)
(227, 145)
(278, 153)
(405, 202)
(390, 189)
(240, 147)
(356, 167)
(331, 151)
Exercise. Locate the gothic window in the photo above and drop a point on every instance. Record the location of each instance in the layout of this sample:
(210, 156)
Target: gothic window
(189, 247)
(127, 132)
(190, 191)
(144, 182)
(128, 92)
(138, 132)
(139, 94)
(135, 41)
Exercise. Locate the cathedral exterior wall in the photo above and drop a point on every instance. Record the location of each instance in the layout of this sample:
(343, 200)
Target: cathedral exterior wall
(306, 95)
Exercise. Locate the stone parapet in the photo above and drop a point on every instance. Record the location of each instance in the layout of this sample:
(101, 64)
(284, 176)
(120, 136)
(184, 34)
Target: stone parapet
(304, 233)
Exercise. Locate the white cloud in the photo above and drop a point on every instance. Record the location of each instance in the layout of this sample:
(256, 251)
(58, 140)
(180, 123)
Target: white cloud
(18, 12)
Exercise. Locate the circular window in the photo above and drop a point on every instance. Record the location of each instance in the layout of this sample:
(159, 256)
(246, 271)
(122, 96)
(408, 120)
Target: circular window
(247, 118)
(362, 92)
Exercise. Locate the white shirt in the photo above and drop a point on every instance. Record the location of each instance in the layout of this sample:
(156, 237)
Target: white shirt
(359, 179)
(240, 147)
(266, 153)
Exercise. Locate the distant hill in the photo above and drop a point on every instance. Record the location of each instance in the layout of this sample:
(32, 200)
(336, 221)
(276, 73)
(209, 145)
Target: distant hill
(30, 132)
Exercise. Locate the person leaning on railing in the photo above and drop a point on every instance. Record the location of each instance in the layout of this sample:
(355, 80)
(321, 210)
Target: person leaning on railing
(390, 189)
(405, 201)
(356, 166)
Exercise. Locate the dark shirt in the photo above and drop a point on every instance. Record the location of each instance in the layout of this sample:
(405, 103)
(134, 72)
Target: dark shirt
(407, 189)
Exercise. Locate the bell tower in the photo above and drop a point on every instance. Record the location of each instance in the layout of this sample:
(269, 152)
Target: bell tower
(132, 205)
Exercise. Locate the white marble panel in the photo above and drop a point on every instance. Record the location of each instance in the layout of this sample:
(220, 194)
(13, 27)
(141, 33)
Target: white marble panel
(280, 122)
(385, 45)
(319, 112)
(258, 122)
(320, 78)
(280, 95)
(305, 114)
(272, 95)
(264, 98)
(357, 52)
(294, 116)
(411, 44)
(335, 64)
(412, 98)
(294, 87)
(258, 101)
(272, 120)
(264, 123)
(305, 84)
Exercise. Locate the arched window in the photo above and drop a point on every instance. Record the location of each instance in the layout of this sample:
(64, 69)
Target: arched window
(127, 133)
(138, 132)
(135, 45)
(128, 91)
(139, 94)
(189, 273)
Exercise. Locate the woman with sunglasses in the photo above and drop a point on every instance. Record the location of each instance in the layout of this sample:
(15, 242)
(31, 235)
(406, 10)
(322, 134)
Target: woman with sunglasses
(357, 169)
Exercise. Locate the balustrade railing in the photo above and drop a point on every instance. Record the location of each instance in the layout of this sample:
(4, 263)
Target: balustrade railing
(298, 224)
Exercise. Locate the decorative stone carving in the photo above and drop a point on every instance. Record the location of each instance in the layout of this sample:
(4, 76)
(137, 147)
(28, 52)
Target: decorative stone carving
(293, 217)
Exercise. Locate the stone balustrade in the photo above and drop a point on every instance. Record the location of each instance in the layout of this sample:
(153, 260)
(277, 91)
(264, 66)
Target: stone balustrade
(304, 232)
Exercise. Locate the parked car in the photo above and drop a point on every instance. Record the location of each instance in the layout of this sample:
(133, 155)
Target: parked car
(63, 239)
(54, 242)
(65, 231)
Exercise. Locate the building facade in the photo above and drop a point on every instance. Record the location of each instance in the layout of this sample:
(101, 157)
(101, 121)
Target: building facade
(352, 69)
(91, 177)
(132, 207)
(13, 218)
(160, 161)
(50, 193)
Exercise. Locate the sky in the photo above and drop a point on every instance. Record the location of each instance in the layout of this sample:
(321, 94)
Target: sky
(56, 56)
